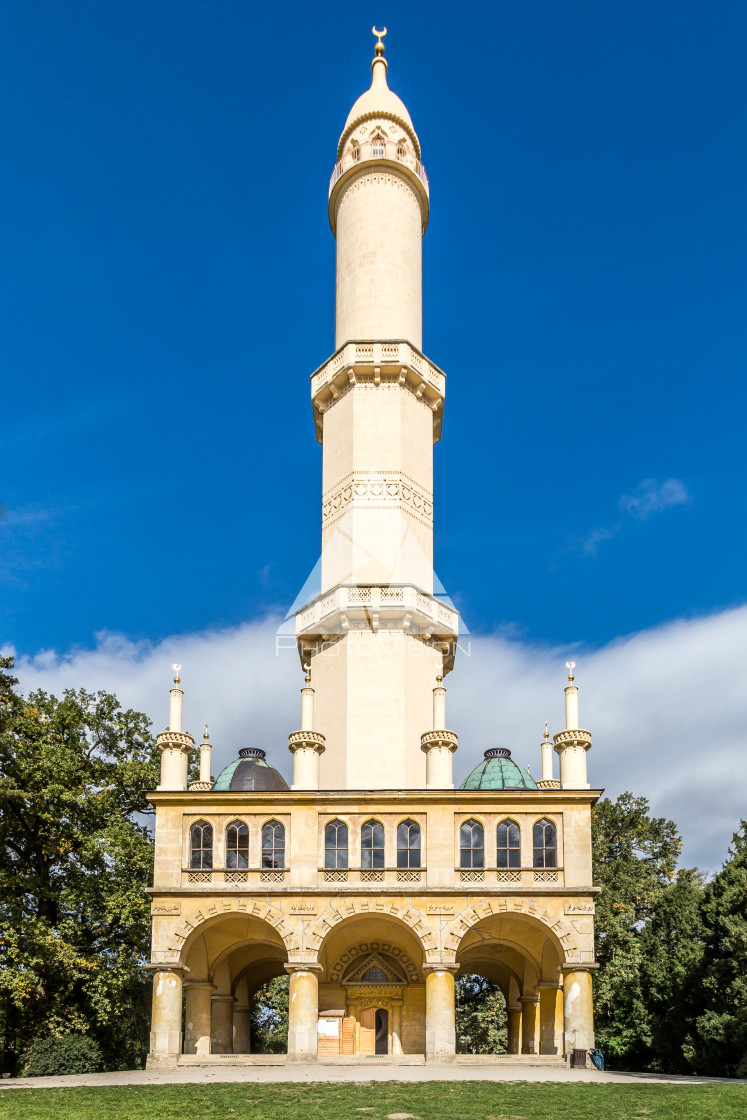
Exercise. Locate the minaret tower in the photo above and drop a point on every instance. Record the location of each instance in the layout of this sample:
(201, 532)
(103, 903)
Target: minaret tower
(376, 637)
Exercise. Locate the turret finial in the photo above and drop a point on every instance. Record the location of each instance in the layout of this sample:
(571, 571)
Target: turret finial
(207, 735)
(177, 678)
(570, 666)
(439, 680)
(307, 669)
(379, 49)
(547, 736)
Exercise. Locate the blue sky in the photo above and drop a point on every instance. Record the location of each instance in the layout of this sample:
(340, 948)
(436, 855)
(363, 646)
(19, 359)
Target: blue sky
(168, 286)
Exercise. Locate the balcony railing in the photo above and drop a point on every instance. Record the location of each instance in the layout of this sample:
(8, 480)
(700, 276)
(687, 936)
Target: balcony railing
(363, 876)
(378, 149)
(233, 875)
(511, 876)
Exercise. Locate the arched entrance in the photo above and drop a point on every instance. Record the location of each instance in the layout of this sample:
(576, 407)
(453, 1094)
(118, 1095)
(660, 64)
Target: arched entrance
(524, 959)
(229, 959)
(372, 977)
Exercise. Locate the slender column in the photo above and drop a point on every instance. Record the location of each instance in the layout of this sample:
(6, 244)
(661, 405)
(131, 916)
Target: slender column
(514, 1028)
(546, 757)
(396, 1026)
(205, 752)
(166, 1017)
(440, 1025)
(241, 1028)
(222, 1032)
(578, 1008)
(197, 1021)
(551, 1018)
(529, 1024)
(303, 1012)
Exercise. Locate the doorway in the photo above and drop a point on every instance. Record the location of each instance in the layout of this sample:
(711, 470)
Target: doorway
(382, 1031)
(374, 1031)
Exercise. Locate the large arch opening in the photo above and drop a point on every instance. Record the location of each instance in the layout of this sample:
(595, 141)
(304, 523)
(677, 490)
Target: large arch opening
(231, 961)
(371, 988)
(517, 962)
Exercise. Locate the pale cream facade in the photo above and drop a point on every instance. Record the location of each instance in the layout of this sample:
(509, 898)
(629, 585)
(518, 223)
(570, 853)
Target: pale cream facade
(374, 931)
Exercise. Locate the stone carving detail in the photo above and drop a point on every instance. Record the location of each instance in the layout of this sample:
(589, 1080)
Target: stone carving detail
(304, 909)
(529, 907)
(579, 908)
(341, 908)
(335, 876)
(366, 949)
(165, 908)
(409, 876)
(236, 876)
(199, 876)
(545, 876)
(508, 876)
(372, 876)
(446, 909)
(472, 876)
(378, 491)
(378, 178)
(241, 904)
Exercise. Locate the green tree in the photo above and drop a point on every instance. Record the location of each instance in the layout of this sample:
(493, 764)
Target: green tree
(718, 1042)
(635, 859)
(269, 1017)
(75, 857)
(480, 1016)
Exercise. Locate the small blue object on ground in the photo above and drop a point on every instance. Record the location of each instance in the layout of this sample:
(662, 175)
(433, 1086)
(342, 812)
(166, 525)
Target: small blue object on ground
(597, 1058)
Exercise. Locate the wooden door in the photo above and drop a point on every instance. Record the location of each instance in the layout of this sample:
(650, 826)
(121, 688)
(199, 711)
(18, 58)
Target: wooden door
(368, 1031)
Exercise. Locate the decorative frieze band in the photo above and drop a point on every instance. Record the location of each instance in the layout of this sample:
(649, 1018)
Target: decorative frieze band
(378, 490)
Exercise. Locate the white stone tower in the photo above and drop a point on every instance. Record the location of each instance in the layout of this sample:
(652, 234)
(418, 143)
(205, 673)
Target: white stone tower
(376, 638)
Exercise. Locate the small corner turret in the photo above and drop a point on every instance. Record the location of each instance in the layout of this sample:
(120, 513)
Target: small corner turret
(572, 744)
(175, 745)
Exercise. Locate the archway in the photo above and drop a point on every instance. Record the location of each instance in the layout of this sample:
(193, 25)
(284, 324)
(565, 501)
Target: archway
(372, 979)
(229, 958)
(522, 958)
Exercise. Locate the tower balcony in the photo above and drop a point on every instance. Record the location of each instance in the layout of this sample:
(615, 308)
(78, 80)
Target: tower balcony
(400, 608)
(377, 363)
(387, 156)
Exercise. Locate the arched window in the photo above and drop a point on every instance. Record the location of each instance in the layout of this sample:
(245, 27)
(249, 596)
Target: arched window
(336, 844)
(401, 150)
(508, 845)
(237, 845)
(273, 844)
(378, 147)
(408, 844)
(372, 844)
(355, 152)
(545, 844)
(201, 846)
(471, 844)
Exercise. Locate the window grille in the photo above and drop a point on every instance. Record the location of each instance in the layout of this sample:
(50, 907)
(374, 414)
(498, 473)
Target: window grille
(372, 844)
(201, 846)
(273, 844)
(545, 844)
(336, 844)
(408, 844)
(508, 845)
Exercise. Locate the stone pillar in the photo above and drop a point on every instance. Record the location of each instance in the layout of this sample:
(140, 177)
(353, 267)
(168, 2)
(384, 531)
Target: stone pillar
(551, 1018)
(303, 1012)
(578, 1008)
(529, 1023)
(514, 1028)
(166, 1016)
(396, 1026)
(222, 1031)
(440, 1026)
(241, 1029)
(197, 1024)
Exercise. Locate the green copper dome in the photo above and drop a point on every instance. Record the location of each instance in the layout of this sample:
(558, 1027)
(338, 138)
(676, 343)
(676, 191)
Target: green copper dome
(499, 771)
(250, 772)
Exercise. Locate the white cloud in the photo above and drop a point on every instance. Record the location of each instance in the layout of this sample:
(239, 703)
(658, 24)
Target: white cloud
(666, 706)
(651, 496)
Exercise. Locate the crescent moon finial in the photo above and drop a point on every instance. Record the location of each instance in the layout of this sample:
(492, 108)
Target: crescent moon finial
(379, 45)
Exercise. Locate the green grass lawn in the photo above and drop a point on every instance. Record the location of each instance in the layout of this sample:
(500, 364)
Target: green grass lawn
(434, 1100)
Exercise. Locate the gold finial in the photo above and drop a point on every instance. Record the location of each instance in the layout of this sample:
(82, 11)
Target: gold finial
(379, 49)
(307, 678)
(546, 732)
(570, 666)
(207, 736)
(177, 678)
(438, 680)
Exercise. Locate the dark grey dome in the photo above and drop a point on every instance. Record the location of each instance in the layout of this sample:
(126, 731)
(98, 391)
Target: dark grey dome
(251, 772)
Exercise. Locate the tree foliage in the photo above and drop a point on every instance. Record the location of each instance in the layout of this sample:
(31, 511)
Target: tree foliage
(481, 1025)
(269, 1017)
(75, 857)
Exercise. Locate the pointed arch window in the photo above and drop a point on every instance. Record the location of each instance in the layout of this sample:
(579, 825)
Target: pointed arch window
(355, 151)
(336, 844)
(378, 147)
(273, 844)
(372, 844)
(471, 844)
(408, 844)
(401, 150)
(544, 844)
(201, 846)
(237, 845)
(508, 845)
